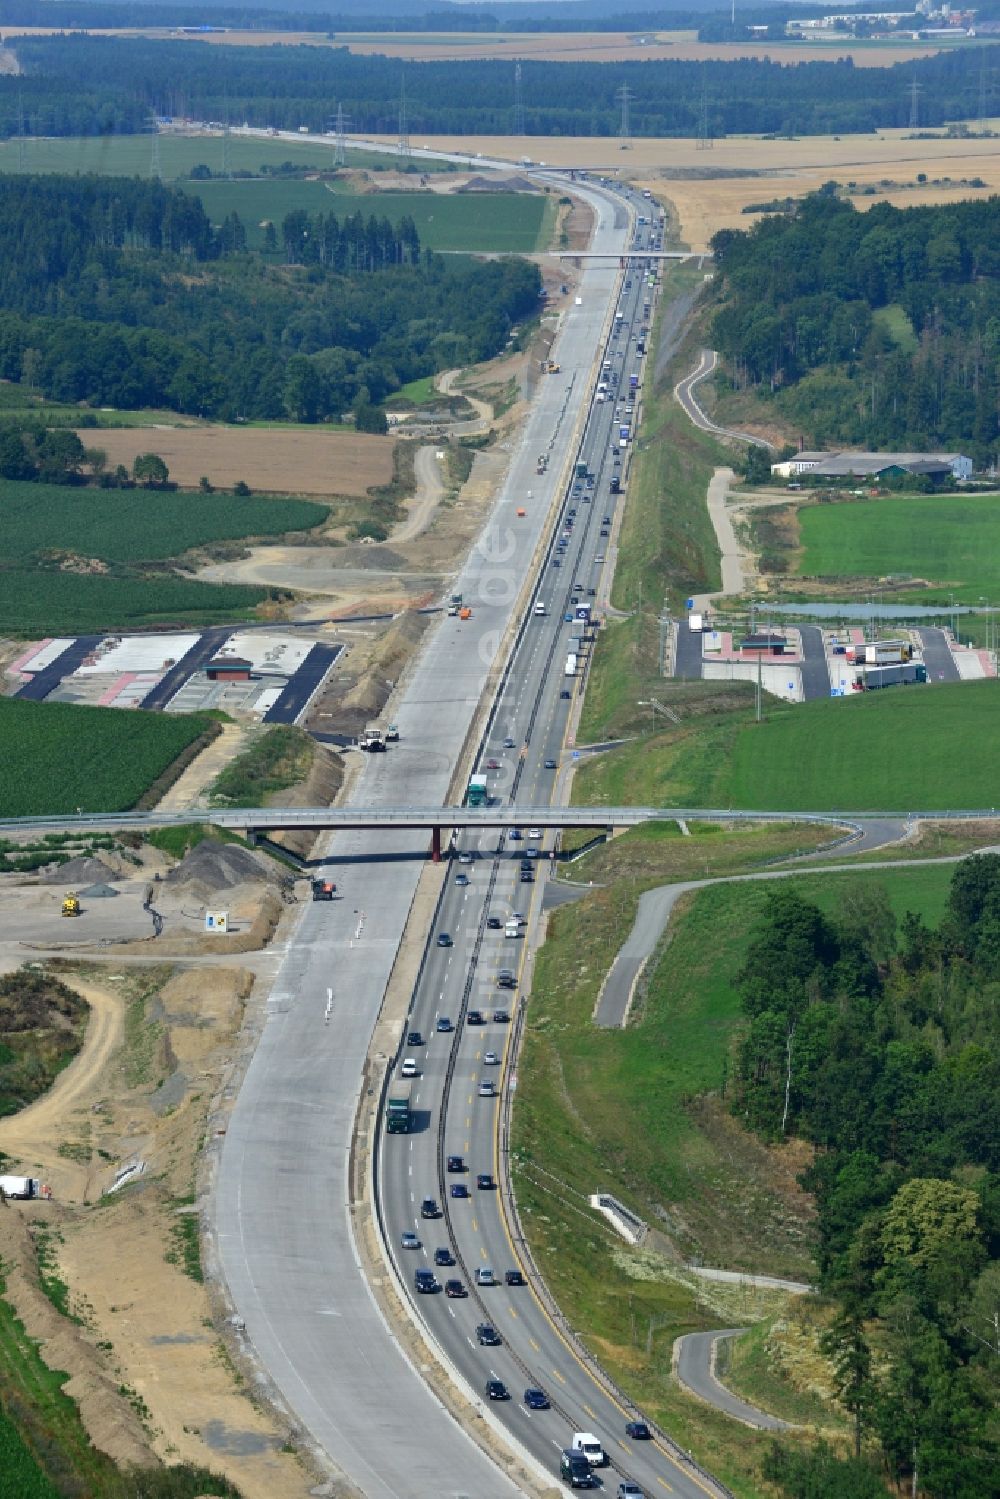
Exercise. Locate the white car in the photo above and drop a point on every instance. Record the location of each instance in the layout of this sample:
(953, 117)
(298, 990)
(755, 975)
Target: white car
(491, 1059)
(534, 832)
(409, 1068)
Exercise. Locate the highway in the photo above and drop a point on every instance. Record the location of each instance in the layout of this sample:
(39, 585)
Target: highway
(460, 1059)
(281, 1208)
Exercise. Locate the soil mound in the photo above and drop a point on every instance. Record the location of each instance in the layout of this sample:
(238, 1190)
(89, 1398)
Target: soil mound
(221, 866)
(498, 185)
(85, 870)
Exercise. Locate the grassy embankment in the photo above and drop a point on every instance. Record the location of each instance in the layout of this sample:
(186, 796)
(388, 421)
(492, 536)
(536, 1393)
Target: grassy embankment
(638, 1113)
(277, 759)
(79, 559)
(916, 748)
(59, 757)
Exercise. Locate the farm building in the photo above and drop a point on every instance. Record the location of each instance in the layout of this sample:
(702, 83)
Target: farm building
(848, 465)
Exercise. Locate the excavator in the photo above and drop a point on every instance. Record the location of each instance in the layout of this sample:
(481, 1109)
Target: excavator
(71, 904)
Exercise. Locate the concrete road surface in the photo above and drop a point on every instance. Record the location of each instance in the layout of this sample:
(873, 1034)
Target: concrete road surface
(281, 1201)
(695, 1356)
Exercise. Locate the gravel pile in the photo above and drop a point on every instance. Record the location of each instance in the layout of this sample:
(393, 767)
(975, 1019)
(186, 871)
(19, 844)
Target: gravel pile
(221, 866)
(84, 870)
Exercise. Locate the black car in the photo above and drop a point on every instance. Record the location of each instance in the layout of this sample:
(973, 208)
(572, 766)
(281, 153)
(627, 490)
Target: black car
(514, 1278)
(459, 1189)
(488, 1335)
(536, 1400)
(638, 1431)
(456, 1163)
(443, 1257)
(485, 1182)
(474, 1017)
(429, 1208)
(501, 1017)
(443, 1025)
(425, 1281)
(414, 1038)
(454, 1289)
(527, 878)
(549, 765)
(503, 982)
(565, 692)
(494, 923)
(497, 1390)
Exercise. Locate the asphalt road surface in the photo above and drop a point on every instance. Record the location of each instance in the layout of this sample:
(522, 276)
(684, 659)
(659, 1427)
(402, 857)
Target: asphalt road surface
(38, 686)
(463, 1061)
(687, 652)
(814, 671)
(303, 685)
(684, 391)
(281, 1201)
(938, 658)
(696, 1371)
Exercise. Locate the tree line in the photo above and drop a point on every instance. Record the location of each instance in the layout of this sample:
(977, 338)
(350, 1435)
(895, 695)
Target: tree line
(876, 1041)
(98, 303)
(287, 87)
(877, 329)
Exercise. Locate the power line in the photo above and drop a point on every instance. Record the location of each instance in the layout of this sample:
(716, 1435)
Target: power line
(227, 165)
(155, 166)
(22, 152)
(982, 93)
(518, 102)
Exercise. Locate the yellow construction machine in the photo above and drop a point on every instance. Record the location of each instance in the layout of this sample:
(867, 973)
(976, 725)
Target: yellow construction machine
(71, 904)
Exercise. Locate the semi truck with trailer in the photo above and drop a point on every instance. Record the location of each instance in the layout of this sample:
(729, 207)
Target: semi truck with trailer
(21, 1187)
(570, 665)
(901, 674)
(398, 1111)
(477, 794)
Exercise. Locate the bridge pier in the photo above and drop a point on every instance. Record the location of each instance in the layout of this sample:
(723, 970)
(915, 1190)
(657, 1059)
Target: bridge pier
(435, 845)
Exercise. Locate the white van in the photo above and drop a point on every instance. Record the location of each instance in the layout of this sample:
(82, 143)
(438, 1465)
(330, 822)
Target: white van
(587, 1443)
(540, 608)
(512, 929)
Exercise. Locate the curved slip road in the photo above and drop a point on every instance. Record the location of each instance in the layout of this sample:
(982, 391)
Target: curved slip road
(684, 392)
(695, 1358)
(656, 907)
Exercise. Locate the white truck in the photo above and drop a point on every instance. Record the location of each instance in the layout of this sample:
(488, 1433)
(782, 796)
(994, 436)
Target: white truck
(696, 623)
(512, 928)
(570, 668)
(587, 1443)
(22, 1187)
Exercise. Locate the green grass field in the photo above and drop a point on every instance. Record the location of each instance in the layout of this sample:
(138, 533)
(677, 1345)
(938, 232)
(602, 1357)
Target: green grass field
(895, 320)
(138, 525)
(123, 528)
(132, 155)
(953, 541)
(58, 757)
(518, 223)
(914, 748)
(637, 1113)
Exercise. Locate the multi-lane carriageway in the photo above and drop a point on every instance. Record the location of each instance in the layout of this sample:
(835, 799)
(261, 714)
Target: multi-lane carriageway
(451, 1117)
(283, 1213)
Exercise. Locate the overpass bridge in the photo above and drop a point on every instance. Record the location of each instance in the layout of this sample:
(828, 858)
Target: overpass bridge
(257, 822)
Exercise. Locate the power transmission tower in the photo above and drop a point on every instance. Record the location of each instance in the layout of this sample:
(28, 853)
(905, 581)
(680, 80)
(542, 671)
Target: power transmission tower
(705, 141)
(518, 102)
(155, 167)
(914, 109)
(340, 149)
(624, 129)
(403, 147)
(21, 146)
(982, 94)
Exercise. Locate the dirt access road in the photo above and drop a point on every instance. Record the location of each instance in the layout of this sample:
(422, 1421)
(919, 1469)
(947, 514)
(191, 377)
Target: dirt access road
(35, 1133)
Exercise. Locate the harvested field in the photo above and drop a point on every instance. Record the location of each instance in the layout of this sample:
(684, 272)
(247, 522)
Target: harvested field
(282, 460)
(580, 46)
